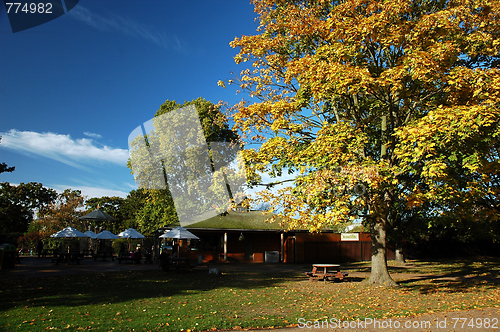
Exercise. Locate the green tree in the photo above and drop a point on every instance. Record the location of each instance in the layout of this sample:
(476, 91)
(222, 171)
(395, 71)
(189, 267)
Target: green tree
(158, 211)
(337, 85)
(177, 154)
(134, 202)
(20, 204)
(213, 121)
(5, 168)
(110, 205)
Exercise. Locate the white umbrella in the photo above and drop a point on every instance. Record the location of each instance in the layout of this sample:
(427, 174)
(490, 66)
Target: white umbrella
(179, 233)
(69, 232)
(106, 235)
(91, 234)
(131, 234)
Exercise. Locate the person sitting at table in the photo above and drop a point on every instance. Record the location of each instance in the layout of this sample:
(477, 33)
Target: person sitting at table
(39, 247)
(137, 256)
(122, 253)
(164, 260)
(175, 251)
(149, 257)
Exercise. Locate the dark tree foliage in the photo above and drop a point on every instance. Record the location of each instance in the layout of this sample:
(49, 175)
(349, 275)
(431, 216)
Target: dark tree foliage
(19, 204)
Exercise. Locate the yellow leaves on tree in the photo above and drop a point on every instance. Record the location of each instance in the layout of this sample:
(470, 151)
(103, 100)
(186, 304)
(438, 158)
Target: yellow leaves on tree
(359, 90)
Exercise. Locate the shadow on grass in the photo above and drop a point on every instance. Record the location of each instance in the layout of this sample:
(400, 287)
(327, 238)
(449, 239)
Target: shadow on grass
(453, 276)
(448, 286)
(116, 287)
(466, 266)
(443, 275)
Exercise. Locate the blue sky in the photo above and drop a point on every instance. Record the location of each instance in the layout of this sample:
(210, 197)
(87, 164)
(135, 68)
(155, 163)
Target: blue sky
(72, 89)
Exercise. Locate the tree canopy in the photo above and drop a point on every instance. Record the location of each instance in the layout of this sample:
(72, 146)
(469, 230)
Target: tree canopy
(20, 204)
(179, 160)
(389, 97)
(110, 205)
(64, 211)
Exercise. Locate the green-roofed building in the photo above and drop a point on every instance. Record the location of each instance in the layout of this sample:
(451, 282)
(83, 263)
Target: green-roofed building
(248, 237)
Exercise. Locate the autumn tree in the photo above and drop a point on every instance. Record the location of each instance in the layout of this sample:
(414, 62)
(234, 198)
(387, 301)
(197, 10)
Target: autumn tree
(455, 151)
(64, 211)
(343, 92)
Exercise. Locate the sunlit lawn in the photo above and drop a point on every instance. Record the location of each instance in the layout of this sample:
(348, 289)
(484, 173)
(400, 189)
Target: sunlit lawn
(170, 301)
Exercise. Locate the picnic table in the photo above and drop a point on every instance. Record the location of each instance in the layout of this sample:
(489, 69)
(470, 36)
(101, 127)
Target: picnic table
(132, 257)
(320, 272)
(67, 257)
(104, 255)
(181, 262)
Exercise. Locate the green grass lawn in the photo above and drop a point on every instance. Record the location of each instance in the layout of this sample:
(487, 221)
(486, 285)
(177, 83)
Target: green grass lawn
(170, 301)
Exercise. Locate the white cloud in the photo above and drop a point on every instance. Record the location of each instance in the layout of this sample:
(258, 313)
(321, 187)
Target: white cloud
(92, 191)
(92, 135)
(132, 186)
(62, 148)
(124, 25)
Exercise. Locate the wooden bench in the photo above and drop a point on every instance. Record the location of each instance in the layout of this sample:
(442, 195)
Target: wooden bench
(320, 272)
(104, 256)
(322, 276)
(127, 258)
(66, 258)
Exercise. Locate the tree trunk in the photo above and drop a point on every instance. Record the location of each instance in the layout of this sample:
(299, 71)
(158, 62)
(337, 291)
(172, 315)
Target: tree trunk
(379, 273)
(378, 227)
